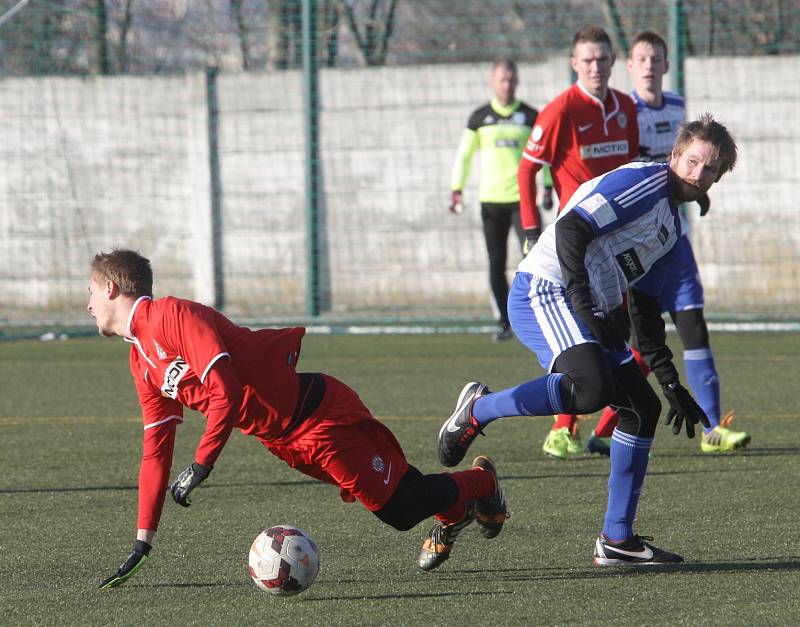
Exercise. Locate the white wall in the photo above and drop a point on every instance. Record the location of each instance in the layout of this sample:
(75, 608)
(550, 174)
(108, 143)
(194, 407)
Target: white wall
(87, 164)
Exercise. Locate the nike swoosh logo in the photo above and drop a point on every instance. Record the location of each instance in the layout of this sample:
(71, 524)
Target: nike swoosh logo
(451, 426)
(583, 127)
(646, 553)
(388, 475)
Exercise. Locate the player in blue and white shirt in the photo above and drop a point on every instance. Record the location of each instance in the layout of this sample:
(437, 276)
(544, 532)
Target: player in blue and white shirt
(675, 282)
(565, 306)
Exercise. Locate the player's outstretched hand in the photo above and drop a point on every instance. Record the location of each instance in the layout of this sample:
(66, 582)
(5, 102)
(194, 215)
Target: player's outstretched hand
(547, 198)
(135, 561)
(683, 408)
(531, 237)
(456, 205)
(705, 204)
(187, 481)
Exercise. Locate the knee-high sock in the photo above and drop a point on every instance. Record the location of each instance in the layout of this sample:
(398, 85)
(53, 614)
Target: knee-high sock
(629, 456)
(539, 397)
(565, 420)
(607, 423)
(474, 483)
(702, 377)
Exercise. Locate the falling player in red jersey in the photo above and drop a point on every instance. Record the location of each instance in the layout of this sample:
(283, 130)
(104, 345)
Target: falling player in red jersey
(586, 131)
(184, 354)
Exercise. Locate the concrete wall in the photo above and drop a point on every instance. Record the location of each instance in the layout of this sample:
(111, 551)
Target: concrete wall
(90, 164)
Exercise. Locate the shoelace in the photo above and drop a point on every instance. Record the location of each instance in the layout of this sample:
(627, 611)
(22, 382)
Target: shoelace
(473, 430)
(727, 420)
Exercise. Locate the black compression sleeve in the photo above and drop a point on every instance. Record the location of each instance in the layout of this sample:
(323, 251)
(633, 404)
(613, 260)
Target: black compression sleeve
(573, 236)
(651, 336)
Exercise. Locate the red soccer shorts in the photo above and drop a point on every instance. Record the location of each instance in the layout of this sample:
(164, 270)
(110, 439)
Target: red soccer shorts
(343, 444)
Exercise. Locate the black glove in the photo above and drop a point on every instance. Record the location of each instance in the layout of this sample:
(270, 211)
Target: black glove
(187, 481)
(547, 198)
(604, 330)
(705, 204)
(134, 562)
(531, 237)
(683, 407)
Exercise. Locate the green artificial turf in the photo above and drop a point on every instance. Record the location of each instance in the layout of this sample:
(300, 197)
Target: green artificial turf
(70, 440)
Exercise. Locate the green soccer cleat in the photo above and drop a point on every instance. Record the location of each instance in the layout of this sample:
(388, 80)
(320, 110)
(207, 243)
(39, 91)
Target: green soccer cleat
(722, 439)
(574, 444)
(556, 443)
(561, 444)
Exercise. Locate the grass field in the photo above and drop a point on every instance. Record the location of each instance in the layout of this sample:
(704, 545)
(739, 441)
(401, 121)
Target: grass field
(70, 441)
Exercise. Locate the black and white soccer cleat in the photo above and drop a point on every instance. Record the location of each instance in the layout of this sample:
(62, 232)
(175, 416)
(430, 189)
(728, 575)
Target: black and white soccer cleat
(637, 551)
(458, 431)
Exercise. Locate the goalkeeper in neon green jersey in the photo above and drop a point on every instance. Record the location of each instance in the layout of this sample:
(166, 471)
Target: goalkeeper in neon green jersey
(499, 129)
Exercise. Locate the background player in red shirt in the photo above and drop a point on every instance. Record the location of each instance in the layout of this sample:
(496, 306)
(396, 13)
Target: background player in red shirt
(184, 354)
(586, 131)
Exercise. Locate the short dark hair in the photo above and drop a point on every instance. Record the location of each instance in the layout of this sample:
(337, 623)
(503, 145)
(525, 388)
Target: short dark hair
(707, 129)
(127, 268)
(592, 34)
(507, 63)
(648, 37)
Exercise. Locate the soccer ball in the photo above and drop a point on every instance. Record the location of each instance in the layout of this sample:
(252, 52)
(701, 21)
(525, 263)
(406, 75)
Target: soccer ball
(283, 560)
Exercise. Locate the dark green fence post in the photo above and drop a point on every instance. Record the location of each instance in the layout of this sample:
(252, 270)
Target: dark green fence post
(677, 45)
(312, 169)
(216, 186)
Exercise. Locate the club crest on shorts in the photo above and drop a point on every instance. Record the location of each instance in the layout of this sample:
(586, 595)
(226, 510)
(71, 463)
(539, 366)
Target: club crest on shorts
(378, 464)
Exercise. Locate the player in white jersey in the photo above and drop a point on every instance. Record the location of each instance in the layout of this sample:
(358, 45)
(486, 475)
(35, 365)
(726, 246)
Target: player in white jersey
(565, 304)
(675, 284)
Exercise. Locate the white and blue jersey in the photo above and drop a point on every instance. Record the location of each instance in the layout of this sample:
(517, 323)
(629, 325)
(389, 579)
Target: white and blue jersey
(658, 125)
(674, 280)
(634, 225)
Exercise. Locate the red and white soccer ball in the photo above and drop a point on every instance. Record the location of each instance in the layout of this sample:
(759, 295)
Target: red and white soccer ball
(283, 560)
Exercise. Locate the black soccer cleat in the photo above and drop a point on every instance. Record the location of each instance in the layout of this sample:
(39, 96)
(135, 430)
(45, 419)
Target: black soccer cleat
(458, 431)
(491, 512)
(637, 551)
(503, 333)
(437, 546)
(598, 445)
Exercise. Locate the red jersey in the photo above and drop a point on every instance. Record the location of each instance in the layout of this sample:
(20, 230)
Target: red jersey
(579, 137)
(185, 354)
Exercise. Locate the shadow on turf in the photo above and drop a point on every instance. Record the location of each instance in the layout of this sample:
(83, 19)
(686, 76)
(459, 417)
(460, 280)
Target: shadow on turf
(102, 488)
(604, 474)
(508, 575)
(555, 574)
(409, 595)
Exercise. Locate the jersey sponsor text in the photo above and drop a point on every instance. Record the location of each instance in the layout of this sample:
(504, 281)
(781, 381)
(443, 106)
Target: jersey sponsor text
(605, 149)
(172, 377)
(631, 266)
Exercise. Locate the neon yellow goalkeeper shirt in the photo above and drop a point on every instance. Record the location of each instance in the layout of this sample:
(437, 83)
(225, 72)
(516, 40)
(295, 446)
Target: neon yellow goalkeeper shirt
(500, 133)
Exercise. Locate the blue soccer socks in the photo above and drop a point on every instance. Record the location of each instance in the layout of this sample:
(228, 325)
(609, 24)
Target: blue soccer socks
(629, 456)
(540, 397)
(702, 377)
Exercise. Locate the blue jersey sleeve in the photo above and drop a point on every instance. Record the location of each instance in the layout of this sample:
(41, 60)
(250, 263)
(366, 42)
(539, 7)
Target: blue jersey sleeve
(623, 195)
